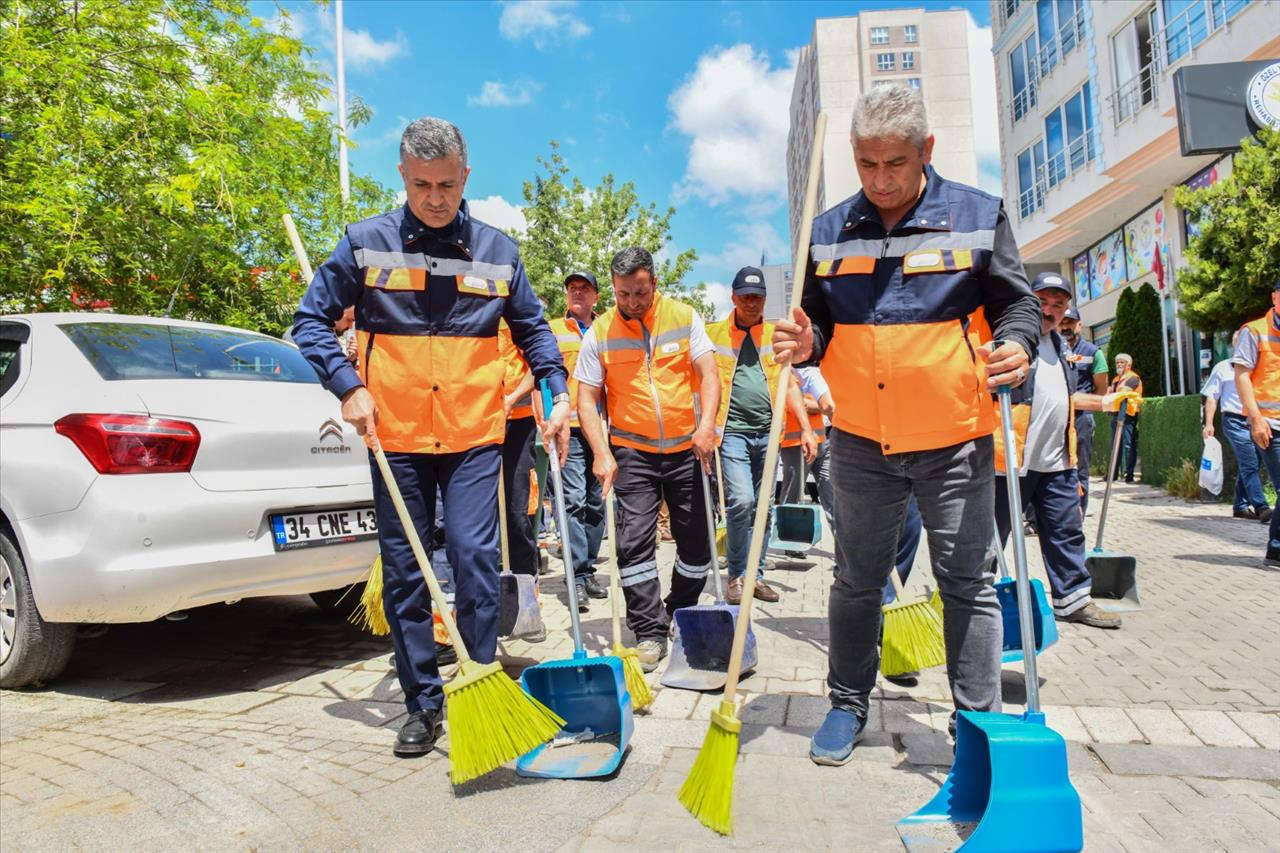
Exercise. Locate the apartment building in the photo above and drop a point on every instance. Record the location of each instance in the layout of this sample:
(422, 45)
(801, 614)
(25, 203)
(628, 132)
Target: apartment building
(927, 50)
(1089, 141)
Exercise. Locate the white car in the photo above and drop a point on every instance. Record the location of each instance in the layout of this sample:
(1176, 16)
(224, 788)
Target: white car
(151, 465)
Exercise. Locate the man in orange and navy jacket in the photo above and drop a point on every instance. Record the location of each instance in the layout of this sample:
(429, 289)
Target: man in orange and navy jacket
(648, 357)
(430, 285)
(903, 280)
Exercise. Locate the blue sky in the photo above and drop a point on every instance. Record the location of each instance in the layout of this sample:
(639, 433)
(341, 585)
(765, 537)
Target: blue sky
(688, 100)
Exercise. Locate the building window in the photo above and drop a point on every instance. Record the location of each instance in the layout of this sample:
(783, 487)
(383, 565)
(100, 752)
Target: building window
(908, 60)
(1060, 27)
(1031, 183)
(909, 34)
(914, 83)
(884, 61)
(1022, 77)
(1132, 58)
(1068, 134)
(880, 84)
(879, 35)
(1189, 22)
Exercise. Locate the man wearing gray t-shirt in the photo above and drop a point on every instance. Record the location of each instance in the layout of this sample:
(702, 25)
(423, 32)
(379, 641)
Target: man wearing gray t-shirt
(1044, 423)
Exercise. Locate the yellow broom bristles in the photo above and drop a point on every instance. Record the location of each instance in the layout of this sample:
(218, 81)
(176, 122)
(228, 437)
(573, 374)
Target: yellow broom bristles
(912, 638)
(369, 614)
(492, 721)
(641, 695)
(708, 791)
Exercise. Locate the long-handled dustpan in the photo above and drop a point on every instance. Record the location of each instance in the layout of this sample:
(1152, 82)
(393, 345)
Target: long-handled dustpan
(704, 633)
(590, 693)
(797, 527)
(1115, 575)
(1008, 789)
(1044, 630)
(519, 613)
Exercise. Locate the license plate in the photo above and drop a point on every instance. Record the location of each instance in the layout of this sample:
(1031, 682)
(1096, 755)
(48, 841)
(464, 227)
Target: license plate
(329, 527)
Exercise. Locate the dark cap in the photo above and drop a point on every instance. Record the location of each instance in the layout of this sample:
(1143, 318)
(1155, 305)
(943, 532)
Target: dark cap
(1050, 281)
(584, 276)
(1072, 314)
(749, 282)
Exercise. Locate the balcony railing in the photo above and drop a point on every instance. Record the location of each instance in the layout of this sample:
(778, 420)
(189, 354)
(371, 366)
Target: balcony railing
(1182, 35)
(1025, 100)
(1078, 154)
(1134, 94)
(1008, 8)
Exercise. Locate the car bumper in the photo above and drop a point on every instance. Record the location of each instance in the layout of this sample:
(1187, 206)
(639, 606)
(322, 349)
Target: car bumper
(136, 549)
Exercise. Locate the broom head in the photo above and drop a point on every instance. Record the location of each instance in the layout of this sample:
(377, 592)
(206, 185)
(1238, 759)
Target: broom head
(912, 638)
(708, 792)
(492, 721)
(368, 614)
(641, 695)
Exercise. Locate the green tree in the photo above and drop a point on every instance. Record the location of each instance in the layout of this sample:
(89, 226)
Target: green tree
(1233, 264)
(571, 227)
(1137, 332)
(147, 152)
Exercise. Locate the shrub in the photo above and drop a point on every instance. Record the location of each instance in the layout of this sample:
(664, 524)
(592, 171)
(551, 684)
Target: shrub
(1183, 481)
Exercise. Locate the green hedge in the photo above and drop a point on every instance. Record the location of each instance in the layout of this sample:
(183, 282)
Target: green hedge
(1168, 432)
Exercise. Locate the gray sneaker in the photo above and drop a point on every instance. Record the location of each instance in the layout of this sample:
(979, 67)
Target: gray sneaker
(649, 652)
(1093, 616)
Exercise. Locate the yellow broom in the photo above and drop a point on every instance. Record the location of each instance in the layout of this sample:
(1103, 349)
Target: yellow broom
(641, 695)
(708, 791)
(491, 720)
(912, 636)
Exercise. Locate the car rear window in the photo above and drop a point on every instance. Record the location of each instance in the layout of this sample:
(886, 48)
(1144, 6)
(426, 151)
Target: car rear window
(158, 351)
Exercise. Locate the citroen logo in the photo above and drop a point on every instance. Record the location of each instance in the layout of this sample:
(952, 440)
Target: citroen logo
(331, 428)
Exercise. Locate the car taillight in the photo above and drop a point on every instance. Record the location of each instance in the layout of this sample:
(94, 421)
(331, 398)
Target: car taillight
(132, 444)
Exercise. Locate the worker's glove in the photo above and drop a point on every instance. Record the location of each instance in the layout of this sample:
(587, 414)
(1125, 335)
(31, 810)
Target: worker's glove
(1126, 397)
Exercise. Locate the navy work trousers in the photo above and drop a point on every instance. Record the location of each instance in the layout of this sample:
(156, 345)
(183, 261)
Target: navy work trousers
(1053, 497)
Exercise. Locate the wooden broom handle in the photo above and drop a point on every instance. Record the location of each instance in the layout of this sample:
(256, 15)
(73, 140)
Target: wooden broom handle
(764, 497)
(502, 519)
(424, 564)
(300, 252)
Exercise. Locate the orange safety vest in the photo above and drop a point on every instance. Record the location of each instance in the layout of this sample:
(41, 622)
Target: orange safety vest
(648, 376)
(515, 368)
(791, 432)
(569, 339)
(728, 339)
(1266, 373)
(1021, 399)
(1122, 380)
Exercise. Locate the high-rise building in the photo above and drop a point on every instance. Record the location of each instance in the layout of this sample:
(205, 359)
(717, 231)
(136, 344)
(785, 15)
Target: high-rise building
(777, 283)
(1089, 143)
(927, 50)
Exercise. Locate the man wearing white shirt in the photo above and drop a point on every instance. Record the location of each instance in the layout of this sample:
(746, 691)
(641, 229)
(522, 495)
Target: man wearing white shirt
(1220, 393)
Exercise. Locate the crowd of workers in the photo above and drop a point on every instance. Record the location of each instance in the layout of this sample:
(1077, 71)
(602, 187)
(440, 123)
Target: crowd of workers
(914, 288)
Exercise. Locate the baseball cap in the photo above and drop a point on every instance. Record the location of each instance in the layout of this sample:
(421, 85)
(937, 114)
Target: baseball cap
(1072, 313)
(749, 281)
(1050, 281)
(585, 276)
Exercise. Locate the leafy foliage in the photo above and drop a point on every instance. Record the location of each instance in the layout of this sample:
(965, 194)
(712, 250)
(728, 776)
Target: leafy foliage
(1137, 331)
(147, 151)
(571, 227)
(1233, 264)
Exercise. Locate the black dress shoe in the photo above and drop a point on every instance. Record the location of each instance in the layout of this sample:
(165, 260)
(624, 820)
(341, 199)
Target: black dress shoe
(1248, 512)
(418, 734)
(580, 587)
(594, 590)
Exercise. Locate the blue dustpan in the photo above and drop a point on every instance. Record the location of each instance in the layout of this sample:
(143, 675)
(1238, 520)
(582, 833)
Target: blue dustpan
(704, 633)
(1044, 629)
(590, 693)
(796, 527)
(1008, 790)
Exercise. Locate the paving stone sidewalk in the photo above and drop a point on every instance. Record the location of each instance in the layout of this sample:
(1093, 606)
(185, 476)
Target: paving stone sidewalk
(266, 725)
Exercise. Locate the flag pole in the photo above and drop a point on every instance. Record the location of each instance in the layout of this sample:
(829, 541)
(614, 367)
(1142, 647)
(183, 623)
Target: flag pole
(344, 173)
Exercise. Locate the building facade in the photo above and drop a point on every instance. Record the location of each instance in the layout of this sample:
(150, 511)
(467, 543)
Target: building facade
(927, 50)
(1089, 141)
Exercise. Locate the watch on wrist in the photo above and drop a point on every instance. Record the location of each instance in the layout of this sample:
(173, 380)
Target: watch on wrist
(562, 397)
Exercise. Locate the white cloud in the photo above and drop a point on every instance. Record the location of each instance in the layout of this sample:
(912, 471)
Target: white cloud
(363, 52)
(749, 241)
(498, 212)
(720, 295)
(735, 106)
(544, 22)
(986, 119)
(496, 94)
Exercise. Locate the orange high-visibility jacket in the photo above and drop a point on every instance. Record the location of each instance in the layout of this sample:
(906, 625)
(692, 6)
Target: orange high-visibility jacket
(648, 376)
(569, 339)
(515, 368)
(791, 432)
(728, 339)
(1266, 372)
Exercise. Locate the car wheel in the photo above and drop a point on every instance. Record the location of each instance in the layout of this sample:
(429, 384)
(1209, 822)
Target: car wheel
(31, 649)
(340, 602)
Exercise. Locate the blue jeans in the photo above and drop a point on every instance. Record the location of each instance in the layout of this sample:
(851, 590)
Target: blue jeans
(1271, 458)
(583, 504)
(742, 458)
(908, 544)
(1128, 446)
(1248, 462)
(1054, 500)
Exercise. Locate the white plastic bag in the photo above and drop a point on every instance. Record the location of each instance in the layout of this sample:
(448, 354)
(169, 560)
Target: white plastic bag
(1211, 466)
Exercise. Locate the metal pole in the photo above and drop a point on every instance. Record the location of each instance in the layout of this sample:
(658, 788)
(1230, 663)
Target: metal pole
(1164, 342)
(344, 174)
(1177, 333)
(1022, 583)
